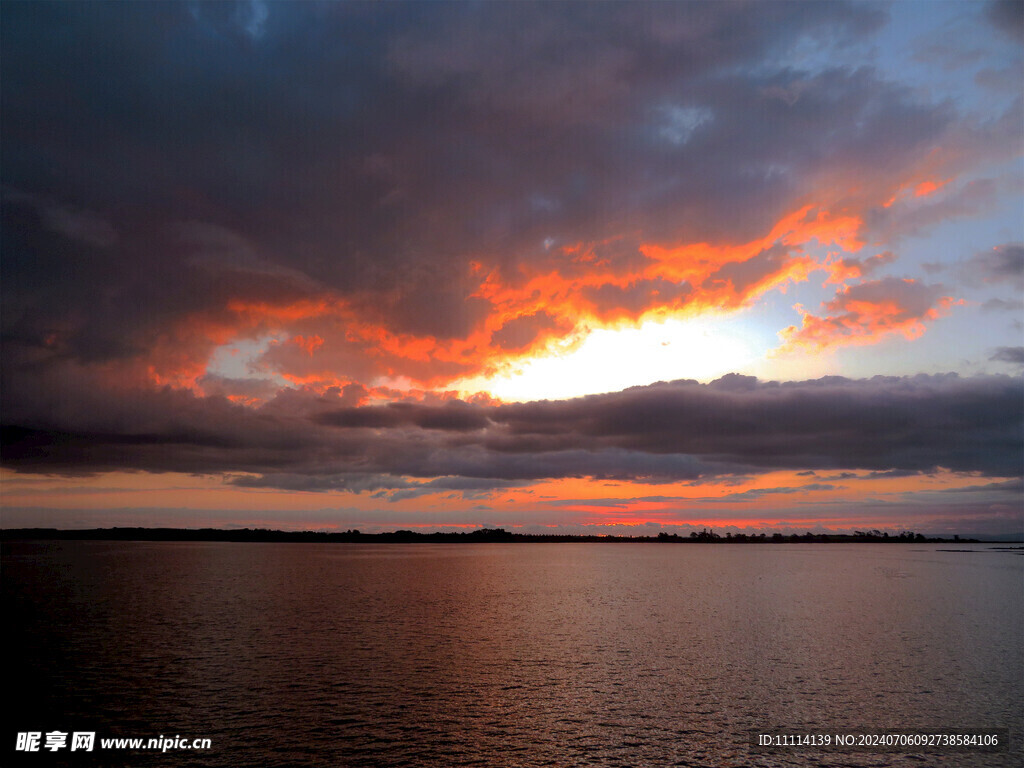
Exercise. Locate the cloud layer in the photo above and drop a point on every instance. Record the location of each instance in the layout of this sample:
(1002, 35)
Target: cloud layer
(665, 432)
(428, 191)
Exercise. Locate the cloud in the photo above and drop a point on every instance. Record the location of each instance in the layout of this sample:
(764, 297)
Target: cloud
(917, 215)
(452, 416)
(1003, 264)
(736, 281)
(74, 224)
(892, 473)
(1009, 355)
(240, 390)
(1006, 486)
(870, 311)
(756, 493)
(450, 186)
(471, 488)
(1007, 16)
(851, 268)
(1002, 305)
(740, 420)
(350, 482)
(521, 332)
(665, 432)
(614, 302)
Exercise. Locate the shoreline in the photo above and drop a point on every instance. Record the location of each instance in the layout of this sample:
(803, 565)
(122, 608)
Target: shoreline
(260, 535)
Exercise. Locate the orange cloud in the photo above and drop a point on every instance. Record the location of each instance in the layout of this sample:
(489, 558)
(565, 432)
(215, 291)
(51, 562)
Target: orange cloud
(530, 309)
(869, 312)
(308, 344)
(585, 287)
(922, 187)
(926, 188)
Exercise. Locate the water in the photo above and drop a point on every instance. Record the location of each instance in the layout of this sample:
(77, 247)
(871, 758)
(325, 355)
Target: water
(509, 654)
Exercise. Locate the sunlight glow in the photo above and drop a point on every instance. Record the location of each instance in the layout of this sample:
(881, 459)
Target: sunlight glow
(608, 360)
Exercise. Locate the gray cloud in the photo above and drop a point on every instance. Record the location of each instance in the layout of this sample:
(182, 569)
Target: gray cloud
(1003, 264)
(1009, 355)
(756, 493)
(736, 426)
(1002, 305)
(1008, 17)
(1007, 486)
(830, 423)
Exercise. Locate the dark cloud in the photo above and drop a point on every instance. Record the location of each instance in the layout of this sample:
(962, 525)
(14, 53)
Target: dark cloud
(1003, 264)
(453, 415)
(521, 332)
(1009, 355)
(1014, 486)
(740, 277)
(610, 301)
(471, 488)
(876, 424)
(1008, 17)
(352, 482)
(258, 389)
(664, 432)
(1003, 305)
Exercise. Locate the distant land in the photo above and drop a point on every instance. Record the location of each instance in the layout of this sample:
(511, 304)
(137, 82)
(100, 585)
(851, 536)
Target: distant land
(478, 535)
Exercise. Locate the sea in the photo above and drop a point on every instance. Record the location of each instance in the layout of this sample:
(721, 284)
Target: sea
(512, 654)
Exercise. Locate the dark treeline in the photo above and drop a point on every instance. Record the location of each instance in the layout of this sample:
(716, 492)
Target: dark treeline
(483, 534)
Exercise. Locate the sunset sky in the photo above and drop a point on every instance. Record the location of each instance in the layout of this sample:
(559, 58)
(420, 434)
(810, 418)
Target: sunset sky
(568, 267)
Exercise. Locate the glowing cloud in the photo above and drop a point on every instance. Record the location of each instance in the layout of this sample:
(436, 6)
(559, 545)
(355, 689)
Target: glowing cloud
(868, 312)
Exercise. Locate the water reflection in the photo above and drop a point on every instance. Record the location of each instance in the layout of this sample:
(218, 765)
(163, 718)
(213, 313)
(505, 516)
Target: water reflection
(512, 654)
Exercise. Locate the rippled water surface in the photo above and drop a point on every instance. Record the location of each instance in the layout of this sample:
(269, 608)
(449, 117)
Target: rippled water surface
(510, 654)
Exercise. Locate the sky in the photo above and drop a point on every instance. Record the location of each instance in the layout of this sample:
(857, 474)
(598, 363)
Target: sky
(554, 267)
